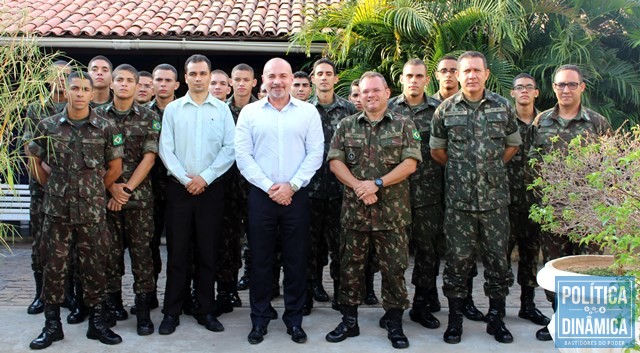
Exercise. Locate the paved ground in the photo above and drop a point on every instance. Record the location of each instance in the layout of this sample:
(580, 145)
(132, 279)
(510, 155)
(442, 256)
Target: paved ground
(17, 328)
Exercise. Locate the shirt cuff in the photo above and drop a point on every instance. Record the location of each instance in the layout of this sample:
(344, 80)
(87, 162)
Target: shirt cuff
(436, 143)
(514, 139)
(208, 176)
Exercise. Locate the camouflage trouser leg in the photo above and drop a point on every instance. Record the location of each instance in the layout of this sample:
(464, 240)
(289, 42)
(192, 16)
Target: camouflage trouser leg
(469, 233)
(229, 255)
(92, 241)
(526, 234)
(115, 253)
(325, 232)
(555, 246)
(138, 232)
(36, 218)
(426, 231)
(392, 248)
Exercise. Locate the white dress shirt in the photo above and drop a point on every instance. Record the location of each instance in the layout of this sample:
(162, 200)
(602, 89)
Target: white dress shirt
(197, 139)
(275, 146)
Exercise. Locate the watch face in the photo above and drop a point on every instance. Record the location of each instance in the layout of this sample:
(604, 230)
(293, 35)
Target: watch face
(378, 182)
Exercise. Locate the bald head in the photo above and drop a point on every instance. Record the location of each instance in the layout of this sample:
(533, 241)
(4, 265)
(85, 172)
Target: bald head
(277, 77)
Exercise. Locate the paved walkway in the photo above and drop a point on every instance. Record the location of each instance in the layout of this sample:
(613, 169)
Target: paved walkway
(17, 328)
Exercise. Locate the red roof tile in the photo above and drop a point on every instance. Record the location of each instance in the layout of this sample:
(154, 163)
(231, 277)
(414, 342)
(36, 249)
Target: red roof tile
(159, 18)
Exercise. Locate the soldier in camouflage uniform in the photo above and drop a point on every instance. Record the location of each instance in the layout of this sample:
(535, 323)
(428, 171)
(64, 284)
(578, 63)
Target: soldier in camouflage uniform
(235, 212)
(130, 216)
(325, 192)
(37, 112)
(427, 211)
(372, 154)
(524, 232)
(100, 70)
(77, 145)
(568, 119)
(474, 134)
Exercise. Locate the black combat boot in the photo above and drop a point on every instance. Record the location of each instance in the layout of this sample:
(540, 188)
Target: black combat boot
(98, 329)
(392, 322)
(233, 292)
(223, 299)
(420, 312)
(69, 293)
(370, 292)
(52, 331)
(114, 305)
(453, 334)
(243, 283)
(495, 325)
(336, 294)
(144, 324)
(317, 289)
(348, 327)
(433, 302)
(79, 311)
(528, 308)
(37, 306)
(543, 334)
(469, 309)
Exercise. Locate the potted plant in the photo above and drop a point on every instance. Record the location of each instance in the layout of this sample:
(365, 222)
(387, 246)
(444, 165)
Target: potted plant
(590, 192)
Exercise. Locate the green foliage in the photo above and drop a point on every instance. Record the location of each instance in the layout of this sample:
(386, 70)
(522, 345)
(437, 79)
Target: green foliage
(535, 36)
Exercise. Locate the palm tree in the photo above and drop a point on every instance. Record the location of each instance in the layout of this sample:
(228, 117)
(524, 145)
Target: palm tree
(515, 35)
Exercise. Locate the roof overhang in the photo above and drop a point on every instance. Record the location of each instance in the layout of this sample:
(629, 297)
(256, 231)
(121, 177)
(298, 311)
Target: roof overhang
(180, 44)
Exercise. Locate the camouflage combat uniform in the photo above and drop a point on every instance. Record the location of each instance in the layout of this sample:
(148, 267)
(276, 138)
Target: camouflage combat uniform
(159, 180)
(477, 189)
(371, 150)
(36, 112)
(325, 194)
(426, 184)
(546, 126)
(524, 232)
(74, 201)
(235, 217)
(133, 225)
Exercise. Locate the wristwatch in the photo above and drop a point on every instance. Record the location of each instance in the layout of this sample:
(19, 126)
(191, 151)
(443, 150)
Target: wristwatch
(379, 183)
(294, 187)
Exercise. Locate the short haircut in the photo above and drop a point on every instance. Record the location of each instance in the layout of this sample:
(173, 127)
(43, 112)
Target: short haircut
(101, 57)
(447, 57)
(197, 58)
(219, 72)
(324, 61)
(372, 74)
(473, 54)
(128, 68)
(167, 67)
(60, 63)
(354, 83)
(301, 74)
(145, 74)
(81, 75)
(415, 62)
(523, 75)
(569, 67)
(242, 67)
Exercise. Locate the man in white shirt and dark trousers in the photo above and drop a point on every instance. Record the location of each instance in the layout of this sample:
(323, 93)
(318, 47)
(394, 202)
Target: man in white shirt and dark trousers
(279, 147)
(196, 146)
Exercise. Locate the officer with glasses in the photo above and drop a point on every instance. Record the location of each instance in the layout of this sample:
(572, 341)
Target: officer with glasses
(568, 119)
(446, 75)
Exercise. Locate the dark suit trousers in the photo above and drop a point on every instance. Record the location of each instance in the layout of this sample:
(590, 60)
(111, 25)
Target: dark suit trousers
(199, 216)
(267, 220)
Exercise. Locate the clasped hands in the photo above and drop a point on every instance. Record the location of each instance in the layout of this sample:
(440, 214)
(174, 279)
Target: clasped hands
(119, 197)
(281, 193)
(366, 191)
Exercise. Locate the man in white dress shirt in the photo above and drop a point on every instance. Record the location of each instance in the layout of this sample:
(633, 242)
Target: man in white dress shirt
(196, 146)
(279, 147)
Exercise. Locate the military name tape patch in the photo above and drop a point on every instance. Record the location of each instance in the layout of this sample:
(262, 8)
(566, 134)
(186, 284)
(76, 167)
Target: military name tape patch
(416, 135)
(118, 140)
(156, 125)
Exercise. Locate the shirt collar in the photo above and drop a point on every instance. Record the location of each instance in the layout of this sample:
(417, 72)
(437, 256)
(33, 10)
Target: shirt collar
(210, 100)
(582, 113)
(93, 118)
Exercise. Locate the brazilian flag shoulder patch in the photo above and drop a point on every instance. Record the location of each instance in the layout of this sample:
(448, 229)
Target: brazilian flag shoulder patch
(416, 135)
(118, 140)
(156, 125)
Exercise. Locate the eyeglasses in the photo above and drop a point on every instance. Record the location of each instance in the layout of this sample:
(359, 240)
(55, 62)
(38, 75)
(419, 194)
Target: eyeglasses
(445, 71)
(560, 86)
(520, 88)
